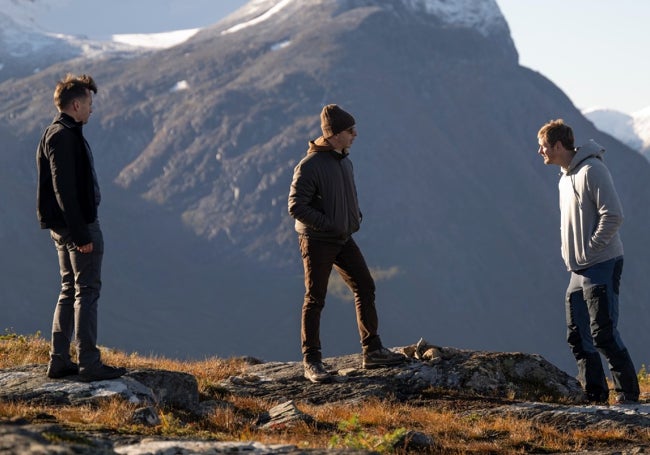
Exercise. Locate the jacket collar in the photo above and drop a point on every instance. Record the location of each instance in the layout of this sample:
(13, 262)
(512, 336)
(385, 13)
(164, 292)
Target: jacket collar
(67, 121)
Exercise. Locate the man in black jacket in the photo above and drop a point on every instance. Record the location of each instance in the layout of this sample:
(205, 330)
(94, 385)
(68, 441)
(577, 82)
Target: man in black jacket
(67, 199)
(323, 201)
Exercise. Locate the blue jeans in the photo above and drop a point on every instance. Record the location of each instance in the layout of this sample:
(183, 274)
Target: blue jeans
(76, 309)
(592, 316)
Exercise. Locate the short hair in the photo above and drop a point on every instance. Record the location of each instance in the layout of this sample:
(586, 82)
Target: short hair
(72, 87)
(557, 130)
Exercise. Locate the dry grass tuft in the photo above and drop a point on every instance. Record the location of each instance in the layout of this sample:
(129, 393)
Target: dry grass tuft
(17, 350)
(373, 424)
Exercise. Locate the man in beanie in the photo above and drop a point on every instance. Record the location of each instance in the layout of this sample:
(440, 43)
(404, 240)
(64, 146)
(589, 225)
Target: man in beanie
(323, 201)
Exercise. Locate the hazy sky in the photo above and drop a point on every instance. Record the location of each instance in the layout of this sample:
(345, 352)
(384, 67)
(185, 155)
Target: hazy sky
(594, 50)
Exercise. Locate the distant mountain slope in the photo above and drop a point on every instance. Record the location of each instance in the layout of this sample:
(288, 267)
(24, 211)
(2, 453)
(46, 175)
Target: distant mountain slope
(117, 18)
(195, 146)
(26, 48)
(633, 130)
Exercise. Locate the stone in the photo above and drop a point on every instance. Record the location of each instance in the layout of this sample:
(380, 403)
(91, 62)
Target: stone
(285, 415)
(48, 439)
(171, 388)
(146, 416)
(578, 417)
(146, 387)
(209, 407)
(30, 384)
(415, 442)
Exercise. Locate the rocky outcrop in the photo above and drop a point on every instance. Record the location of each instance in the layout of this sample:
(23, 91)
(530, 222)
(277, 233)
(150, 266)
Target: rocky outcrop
(147, 387)
(52, 439)
(619, 416)
(21, 439)
(477, 373)
(524, 386)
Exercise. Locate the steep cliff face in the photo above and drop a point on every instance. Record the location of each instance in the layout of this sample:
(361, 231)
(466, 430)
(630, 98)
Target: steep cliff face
(196, 145)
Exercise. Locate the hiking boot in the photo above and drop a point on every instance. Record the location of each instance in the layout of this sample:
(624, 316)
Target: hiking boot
(382, 357)
(621, 398)
(100, 372)
(316, 372)
(57, 370)
(598, 398)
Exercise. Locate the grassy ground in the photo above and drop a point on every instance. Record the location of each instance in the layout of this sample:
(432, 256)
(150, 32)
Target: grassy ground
(448, 419)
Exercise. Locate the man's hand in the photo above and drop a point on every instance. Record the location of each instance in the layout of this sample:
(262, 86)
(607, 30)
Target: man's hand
(87, 248)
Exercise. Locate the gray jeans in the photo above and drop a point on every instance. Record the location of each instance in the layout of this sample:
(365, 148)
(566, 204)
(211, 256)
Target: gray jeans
(76, 309)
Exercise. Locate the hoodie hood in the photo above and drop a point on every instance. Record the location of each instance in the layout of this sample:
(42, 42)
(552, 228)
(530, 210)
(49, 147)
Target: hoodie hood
(321, 145)
(588, 150)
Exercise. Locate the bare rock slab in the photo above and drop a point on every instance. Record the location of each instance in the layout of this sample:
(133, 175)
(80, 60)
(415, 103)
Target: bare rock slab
(517, 376)
(52, 439)
(147, 387)
(592, 416)
(48, 439)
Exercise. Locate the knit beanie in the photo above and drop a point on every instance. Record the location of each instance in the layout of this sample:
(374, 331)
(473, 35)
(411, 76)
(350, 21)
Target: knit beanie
(333, 120)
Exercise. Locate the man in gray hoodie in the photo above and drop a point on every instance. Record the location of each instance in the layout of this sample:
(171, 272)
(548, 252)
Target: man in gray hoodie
(591, 214)
(323, 201)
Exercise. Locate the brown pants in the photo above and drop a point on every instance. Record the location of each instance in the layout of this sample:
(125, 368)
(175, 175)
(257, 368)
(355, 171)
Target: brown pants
(318, 258)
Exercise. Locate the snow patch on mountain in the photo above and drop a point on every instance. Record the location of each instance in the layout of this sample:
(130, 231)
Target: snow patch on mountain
(180, 86)
(484, 16)
(281, 45)
(155, 40)
(258, 19)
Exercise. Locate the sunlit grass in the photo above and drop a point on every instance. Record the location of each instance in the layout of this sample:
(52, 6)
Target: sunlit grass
(372, 424)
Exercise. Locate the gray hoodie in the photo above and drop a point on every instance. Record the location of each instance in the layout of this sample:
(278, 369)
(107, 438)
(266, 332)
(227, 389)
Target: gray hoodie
(591, 211)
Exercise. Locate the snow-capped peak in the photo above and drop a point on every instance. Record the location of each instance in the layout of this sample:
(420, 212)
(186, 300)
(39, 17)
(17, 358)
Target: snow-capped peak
(484, 16)
(633, 130)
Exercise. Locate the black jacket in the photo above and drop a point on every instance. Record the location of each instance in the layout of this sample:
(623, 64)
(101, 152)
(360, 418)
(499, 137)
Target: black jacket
(323, 196)
(66, 186)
